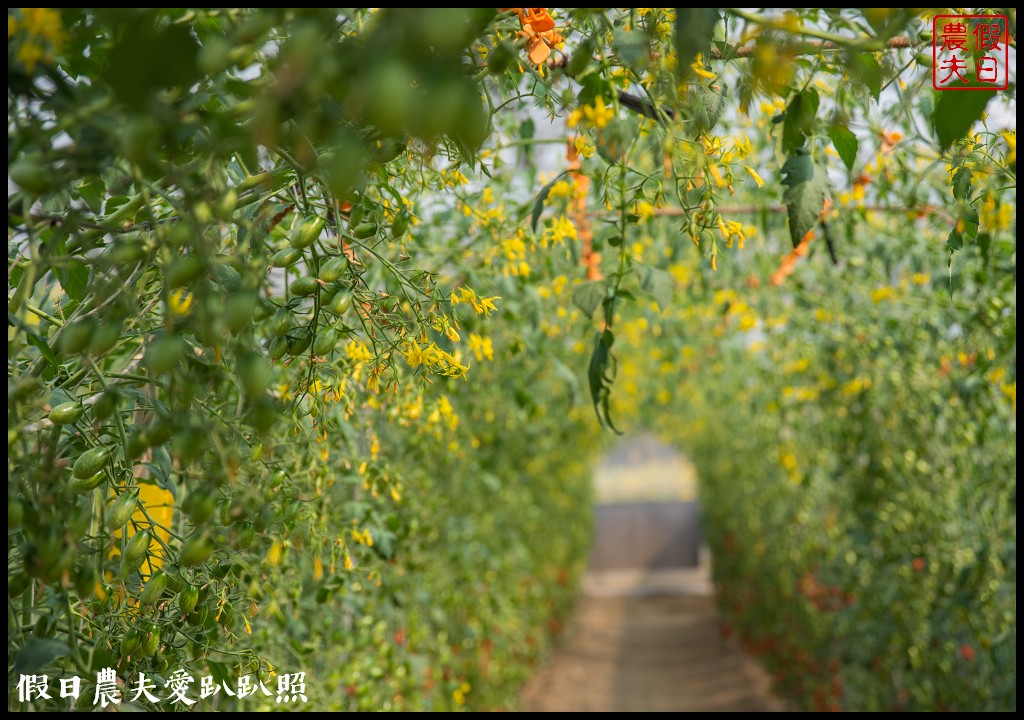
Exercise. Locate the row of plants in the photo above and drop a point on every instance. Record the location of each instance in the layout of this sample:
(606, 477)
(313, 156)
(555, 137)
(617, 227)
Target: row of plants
(247, 437)
(311, 343)
(854, 431)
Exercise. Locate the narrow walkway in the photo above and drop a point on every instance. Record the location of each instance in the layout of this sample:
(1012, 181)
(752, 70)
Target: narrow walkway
(647, 641)
(644, 635)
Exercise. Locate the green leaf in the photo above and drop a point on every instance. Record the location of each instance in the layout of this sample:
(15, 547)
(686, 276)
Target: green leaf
(956, 112)
(694, 31)
(526, 129)
(600, 376)
(725, 50)
(38, 653)
(614, 140)
(93, 191)
(161, 470)
(965, 230)
(888, 22)
(962, 183)
(538, 204)
(658, 283)
(220, 671)
(148, 58)
(34, 338)
(44, 349)
(845, 143)
(156, 477)
(589, 295)
(114, 202)
(864, 67)
(595, 86)
(799, 121)
(74, 277)
(73, 274)
(806, 189)
(713, 102)
(632, 46)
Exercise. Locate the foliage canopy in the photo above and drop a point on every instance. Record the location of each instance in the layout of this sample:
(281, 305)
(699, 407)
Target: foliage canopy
(301, 304)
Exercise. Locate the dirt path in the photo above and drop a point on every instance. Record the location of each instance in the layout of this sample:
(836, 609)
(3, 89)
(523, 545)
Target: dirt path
(646, 640)
(642, 641)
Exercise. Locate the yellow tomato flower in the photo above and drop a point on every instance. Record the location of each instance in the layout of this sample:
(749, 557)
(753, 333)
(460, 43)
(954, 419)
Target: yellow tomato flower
(598, 114)
(584, 148)
(180, 301)
(645, 210)
(481, 347)
(357, 350)
(753, 174)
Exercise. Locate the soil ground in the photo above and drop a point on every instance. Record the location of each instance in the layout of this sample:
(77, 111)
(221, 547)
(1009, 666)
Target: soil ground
(647, 641)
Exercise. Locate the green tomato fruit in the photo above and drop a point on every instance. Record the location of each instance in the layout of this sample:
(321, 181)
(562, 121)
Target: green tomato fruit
(90, 462)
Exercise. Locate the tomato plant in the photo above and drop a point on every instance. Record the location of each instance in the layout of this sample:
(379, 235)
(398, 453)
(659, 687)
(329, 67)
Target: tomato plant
(313, 332)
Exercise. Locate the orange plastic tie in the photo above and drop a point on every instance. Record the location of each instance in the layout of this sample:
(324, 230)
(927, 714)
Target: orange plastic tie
(788, 264)
(538, 27)
(581, 186)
